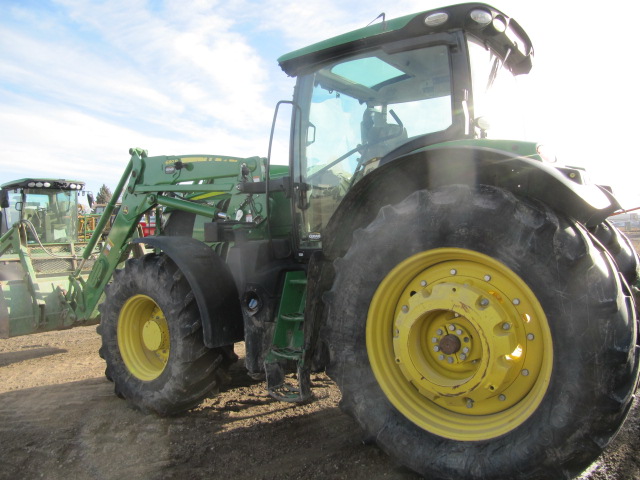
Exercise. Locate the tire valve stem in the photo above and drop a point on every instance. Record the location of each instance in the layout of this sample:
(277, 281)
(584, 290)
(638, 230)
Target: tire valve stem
(405, 308)
(502, 397)
(469, 403)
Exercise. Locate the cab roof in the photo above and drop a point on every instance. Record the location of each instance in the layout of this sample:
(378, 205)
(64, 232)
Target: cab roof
(503, 34)
(53, 183)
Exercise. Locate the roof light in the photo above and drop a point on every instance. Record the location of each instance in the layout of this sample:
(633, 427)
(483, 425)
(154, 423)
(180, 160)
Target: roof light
(499, 24)
(31, 184)
(436, 19)
(46, 184)
(481, 16)
(39, 184)
(72, 186)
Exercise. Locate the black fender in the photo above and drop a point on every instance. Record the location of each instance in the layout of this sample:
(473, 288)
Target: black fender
(212, 285)
(433, 167)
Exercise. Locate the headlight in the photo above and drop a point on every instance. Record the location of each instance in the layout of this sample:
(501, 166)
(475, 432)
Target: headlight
(481, 16)
(436, 19)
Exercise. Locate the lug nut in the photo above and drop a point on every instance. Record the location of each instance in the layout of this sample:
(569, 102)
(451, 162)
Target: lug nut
(487, 278)
(465, 350)
(439, 331)
(452, 328)
(436, 348)
(450, 359)
(453, 271)
(441, 357)
(462, 356)
(525, 372)
(434, 340)
(423, 283)
(458, 332)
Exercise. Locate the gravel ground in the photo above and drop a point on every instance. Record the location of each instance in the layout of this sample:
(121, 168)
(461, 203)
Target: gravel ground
(59, 419)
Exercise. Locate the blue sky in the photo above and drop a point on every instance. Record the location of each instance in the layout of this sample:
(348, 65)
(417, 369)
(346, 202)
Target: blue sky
(81, 81)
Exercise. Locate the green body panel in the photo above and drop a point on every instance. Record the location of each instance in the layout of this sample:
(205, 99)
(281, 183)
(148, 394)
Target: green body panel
(359, 34)
(511, 147)
(288, 337)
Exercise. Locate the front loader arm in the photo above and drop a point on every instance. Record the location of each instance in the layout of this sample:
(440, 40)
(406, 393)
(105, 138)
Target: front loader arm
(169, 181)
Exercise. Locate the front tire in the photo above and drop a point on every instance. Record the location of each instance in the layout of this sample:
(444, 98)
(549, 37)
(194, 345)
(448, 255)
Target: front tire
(477, 335)
(152, 339)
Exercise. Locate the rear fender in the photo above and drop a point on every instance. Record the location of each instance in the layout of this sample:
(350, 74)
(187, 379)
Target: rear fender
(463, 164)
(212, 285)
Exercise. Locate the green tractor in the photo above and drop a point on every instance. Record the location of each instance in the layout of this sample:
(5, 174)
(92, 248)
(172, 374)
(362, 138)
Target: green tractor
(40, 246)
(468, 296)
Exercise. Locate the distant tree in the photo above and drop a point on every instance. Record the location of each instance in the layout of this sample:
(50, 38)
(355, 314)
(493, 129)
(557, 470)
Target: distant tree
(104, 194)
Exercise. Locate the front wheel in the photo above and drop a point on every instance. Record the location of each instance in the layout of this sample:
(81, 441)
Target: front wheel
(478, 335)
(152, 339)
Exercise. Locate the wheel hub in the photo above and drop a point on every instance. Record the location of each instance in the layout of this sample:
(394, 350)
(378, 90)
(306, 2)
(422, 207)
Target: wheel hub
(151, 335)
(143, 337)
(449, 344)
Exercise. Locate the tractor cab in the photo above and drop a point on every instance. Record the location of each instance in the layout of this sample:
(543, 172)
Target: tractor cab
(368, 97)
(48, 209)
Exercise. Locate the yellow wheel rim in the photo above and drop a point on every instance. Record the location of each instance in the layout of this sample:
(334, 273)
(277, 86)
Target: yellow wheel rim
(459, 344)
(143, 337)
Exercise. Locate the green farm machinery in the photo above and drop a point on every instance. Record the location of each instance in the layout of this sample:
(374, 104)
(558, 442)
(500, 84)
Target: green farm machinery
(41, 245)
(467, 295)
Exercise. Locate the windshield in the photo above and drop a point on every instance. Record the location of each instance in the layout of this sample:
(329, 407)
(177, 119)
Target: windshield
(53, 214)
(496, 98)
(354, 113)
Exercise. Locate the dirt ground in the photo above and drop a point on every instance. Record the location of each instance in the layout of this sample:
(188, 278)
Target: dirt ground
(59, 419)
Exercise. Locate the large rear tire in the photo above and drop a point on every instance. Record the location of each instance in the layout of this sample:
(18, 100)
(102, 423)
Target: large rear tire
(477, 335)
(620, 248)
(152, 339)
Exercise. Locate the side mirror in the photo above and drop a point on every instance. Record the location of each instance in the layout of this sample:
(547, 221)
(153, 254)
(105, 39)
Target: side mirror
(4, 199)
(90, 199)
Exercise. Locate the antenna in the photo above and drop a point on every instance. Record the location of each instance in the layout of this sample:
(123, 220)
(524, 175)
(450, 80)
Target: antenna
(384, 22)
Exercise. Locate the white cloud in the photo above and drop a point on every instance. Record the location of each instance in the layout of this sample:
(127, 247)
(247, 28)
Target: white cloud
(82, 81)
